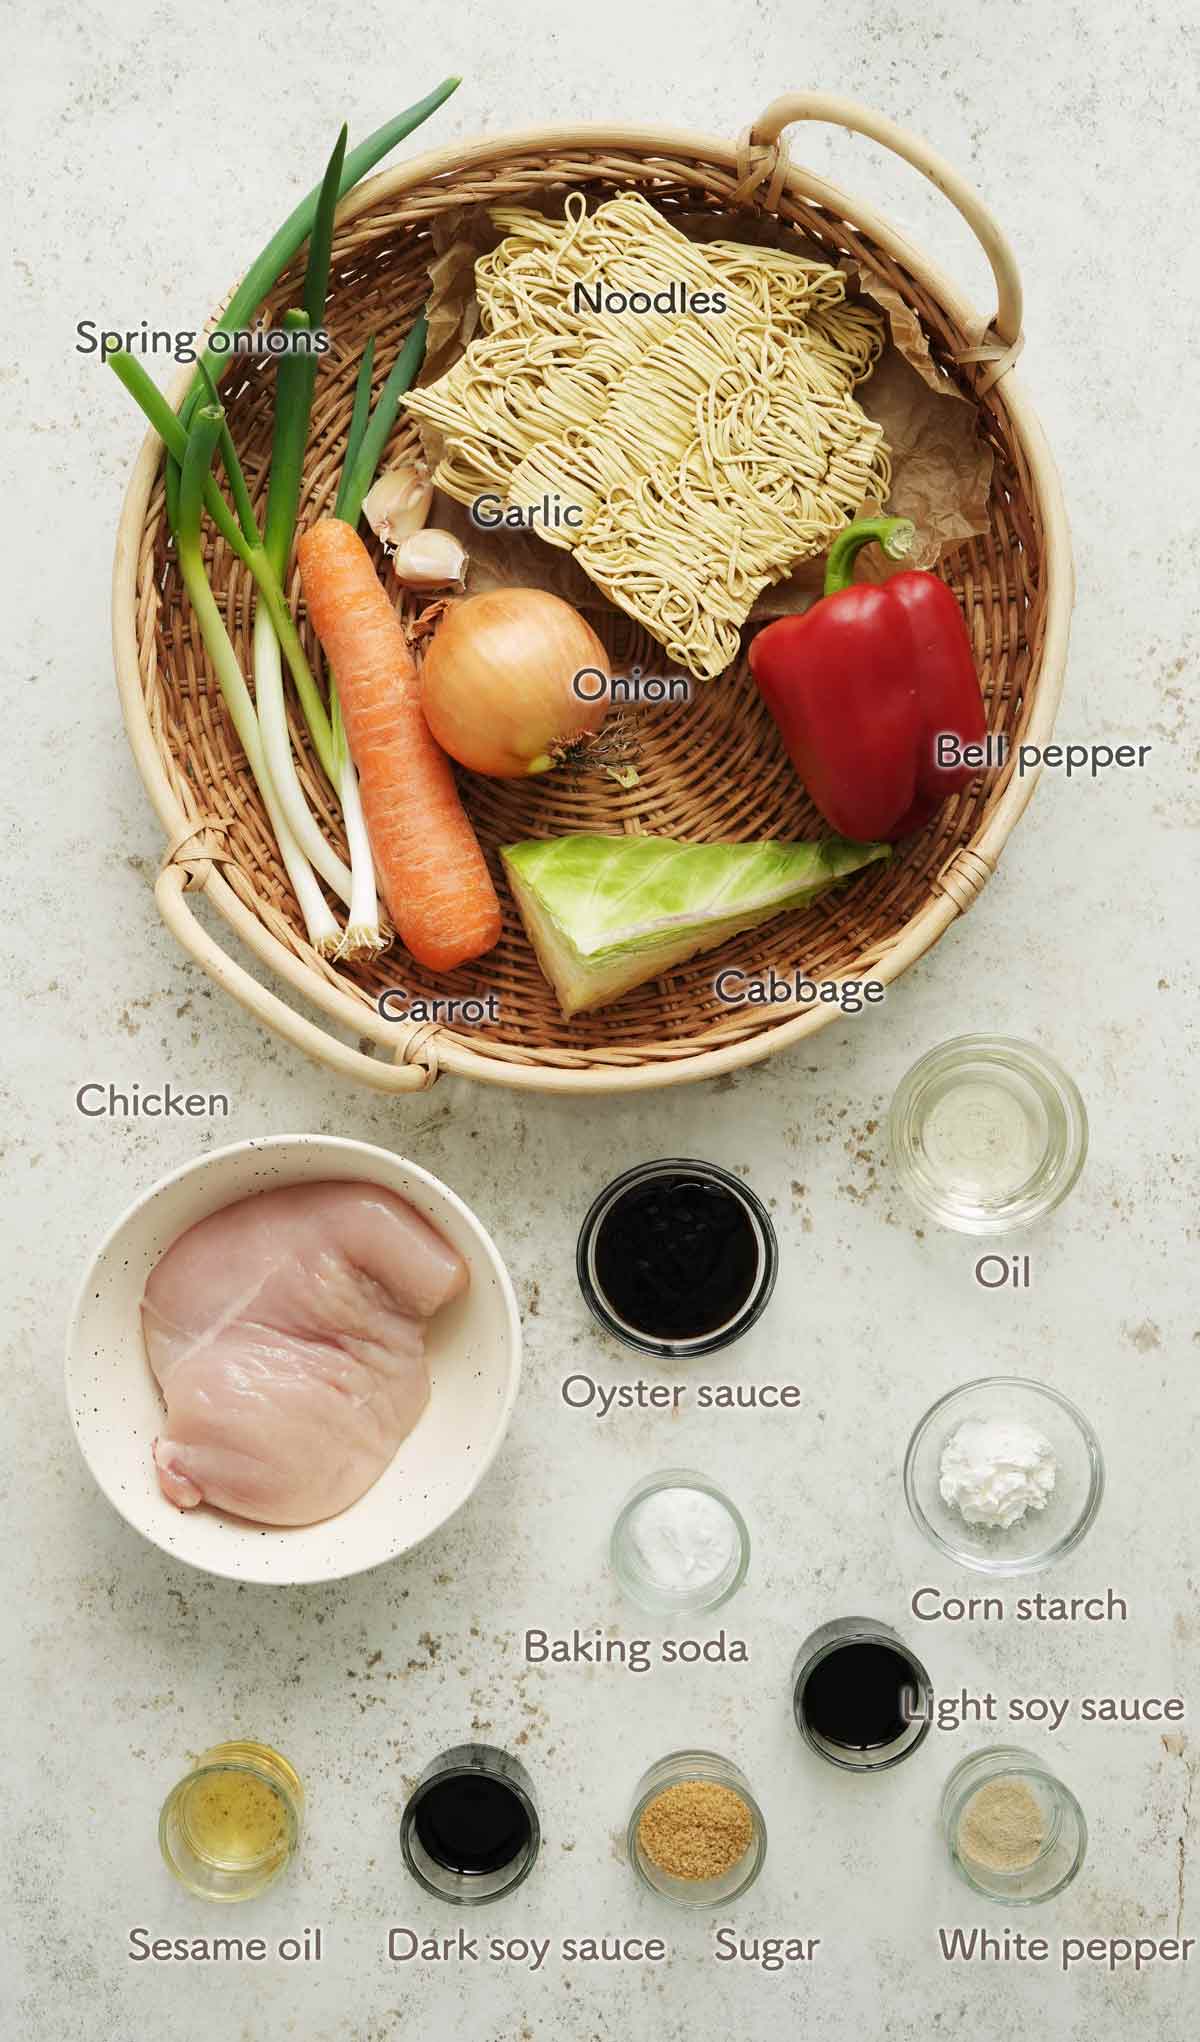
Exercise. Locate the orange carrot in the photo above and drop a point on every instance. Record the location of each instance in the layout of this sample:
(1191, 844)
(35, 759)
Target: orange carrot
(430, 868)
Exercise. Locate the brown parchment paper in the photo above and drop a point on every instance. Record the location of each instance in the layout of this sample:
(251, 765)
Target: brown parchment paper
(941, 468)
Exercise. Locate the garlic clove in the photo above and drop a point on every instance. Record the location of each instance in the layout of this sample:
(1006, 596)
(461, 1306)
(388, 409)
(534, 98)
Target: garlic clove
(430, 559)
(397, 504)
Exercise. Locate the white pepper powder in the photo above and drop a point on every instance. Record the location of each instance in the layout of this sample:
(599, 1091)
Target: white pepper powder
(1002, 1827)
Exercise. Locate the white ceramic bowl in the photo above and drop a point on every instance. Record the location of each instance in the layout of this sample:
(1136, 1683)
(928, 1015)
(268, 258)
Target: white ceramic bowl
(473, 1349)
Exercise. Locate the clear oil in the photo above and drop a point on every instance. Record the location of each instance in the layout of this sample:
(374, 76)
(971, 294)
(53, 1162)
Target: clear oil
(984, 1137)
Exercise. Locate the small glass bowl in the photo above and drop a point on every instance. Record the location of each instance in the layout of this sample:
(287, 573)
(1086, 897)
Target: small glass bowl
(835, 1636)
(631, 1571)
(702, 1343)
(1041, 1536)
(951, 1170)
(1064, 1845)
(471, 1889)
(673, 1771)
(216, 1871)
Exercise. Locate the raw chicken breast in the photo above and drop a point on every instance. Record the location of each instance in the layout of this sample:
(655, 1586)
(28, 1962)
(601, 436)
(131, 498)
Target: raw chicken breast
(287, 1334)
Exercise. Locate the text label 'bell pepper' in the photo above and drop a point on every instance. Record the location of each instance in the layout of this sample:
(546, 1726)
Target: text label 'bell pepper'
(862, 685)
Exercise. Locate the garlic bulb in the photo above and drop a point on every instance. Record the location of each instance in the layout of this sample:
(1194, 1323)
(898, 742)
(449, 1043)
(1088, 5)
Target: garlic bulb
(430, 559)
(398, 503)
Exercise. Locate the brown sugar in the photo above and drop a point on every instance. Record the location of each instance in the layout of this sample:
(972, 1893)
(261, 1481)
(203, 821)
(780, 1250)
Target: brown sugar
(696, 1830)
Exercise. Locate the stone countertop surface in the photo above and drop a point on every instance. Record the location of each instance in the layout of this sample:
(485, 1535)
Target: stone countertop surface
(148, 150)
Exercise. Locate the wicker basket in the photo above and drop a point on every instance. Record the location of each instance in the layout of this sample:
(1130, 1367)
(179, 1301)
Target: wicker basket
(715, 771)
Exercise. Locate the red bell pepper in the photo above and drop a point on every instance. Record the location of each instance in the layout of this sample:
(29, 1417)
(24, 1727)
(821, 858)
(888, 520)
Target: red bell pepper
(862, 685)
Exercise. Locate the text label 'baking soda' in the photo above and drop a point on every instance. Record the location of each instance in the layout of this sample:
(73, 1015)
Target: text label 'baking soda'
(636, 1655)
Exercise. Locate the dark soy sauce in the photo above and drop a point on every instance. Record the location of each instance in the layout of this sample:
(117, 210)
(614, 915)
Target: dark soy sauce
(676, 1257)
(469, 1822)
(855, 1695)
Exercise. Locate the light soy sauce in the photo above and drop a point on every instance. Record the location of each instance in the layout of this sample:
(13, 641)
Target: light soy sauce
(862, 1699)
(860, 1695)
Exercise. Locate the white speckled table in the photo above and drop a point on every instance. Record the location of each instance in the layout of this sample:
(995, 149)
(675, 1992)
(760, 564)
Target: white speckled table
(146, 149)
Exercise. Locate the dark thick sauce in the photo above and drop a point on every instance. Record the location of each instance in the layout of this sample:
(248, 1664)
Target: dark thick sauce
(855, 1695)
(470, 1823)
(676, 1257)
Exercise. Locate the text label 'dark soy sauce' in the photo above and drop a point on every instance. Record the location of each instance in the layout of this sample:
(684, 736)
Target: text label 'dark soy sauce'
(675, 1254)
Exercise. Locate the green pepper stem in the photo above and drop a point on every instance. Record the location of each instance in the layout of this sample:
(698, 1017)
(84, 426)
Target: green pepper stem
(895, 535)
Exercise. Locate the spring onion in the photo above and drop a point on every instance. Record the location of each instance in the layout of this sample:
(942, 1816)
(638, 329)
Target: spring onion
(191, 439)
(286, 242)
(196, 472)
(295, 383)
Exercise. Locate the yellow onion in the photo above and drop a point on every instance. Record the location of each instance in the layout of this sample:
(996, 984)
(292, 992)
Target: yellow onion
(513, 681)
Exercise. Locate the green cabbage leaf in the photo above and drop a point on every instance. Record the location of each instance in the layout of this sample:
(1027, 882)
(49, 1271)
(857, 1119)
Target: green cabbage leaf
(605, 914)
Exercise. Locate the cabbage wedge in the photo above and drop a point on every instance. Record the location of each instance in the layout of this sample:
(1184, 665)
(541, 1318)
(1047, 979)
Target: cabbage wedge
(605, 914)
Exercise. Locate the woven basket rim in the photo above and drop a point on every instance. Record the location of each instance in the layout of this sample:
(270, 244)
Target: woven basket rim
(918, 934)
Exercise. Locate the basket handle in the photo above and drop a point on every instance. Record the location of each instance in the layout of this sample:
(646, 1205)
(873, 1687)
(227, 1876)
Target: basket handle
(863, 120)
(265, 1006)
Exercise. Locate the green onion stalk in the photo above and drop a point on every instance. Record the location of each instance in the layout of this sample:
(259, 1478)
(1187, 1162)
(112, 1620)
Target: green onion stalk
(263, 729)
(241, 536)
(368, 436)
(286, 458)
(265, 272)
(295, 384)
(367, 439)
(195, 476)
(364, 907)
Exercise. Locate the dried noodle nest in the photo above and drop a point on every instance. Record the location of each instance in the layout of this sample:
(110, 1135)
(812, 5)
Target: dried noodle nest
(707, 453)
